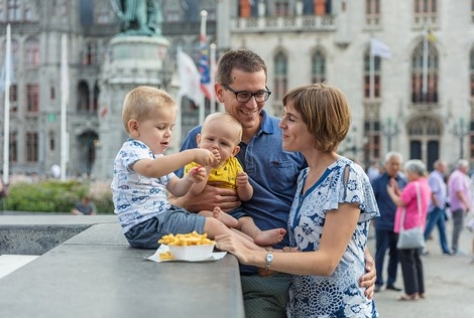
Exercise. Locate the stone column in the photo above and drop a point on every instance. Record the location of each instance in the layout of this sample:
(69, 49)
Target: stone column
(133, 61)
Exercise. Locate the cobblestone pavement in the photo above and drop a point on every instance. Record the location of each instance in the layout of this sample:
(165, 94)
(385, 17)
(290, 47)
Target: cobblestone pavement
(449, 282)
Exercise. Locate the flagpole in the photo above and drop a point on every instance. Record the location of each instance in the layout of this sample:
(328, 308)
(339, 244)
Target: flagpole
(64, 101)
(6, 117)
(371, 97)
(212, 69)
(424, 89)
(202, 44)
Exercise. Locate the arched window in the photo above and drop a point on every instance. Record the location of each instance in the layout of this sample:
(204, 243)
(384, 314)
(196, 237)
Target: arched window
(318, 67)
(280, 62)
(424, 73)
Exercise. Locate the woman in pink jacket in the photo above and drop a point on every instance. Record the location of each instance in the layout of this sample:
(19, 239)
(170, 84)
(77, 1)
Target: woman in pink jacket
(412, 268)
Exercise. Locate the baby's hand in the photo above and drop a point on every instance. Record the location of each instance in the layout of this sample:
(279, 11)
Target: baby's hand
(242, 179)
(203, 157)
(217, 159)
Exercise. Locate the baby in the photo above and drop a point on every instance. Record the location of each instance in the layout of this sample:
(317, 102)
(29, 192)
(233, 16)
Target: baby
(221, 134)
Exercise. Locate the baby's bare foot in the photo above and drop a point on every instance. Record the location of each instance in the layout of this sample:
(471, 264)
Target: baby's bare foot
(225, 218)
(270, 237)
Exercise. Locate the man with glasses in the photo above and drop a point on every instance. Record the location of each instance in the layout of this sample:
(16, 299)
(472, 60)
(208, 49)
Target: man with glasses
(241, 87)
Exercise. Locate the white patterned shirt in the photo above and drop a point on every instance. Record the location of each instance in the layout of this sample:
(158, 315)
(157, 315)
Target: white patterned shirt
(338, 295)
(137, 198)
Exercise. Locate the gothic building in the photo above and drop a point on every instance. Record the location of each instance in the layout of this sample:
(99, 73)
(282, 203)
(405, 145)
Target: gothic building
(418, 101)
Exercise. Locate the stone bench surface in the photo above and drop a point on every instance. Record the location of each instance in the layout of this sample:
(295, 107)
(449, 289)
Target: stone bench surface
(97, 274)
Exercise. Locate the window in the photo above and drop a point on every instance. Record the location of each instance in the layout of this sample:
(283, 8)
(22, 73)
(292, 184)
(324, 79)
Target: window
(281, 75)
(32, 98)
(13, 93)
(472, 11)
(471, 72)
(32, 54)
(90, 56)
(52, 141)
(425, 11)
(31, 146)
(60, 7)
(322, 7)
(424, 74)
(370, 88)
(14, 10)
(83, 104)
(425, 6)
(2, 11)
(318, 67)
(13, 147)
(103, 13)
(28, 13)
(372, 12)
(372, 151)
(281, 8)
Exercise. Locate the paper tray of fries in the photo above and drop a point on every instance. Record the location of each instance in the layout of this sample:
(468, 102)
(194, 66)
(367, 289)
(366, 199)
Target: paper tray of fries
(186, 247)
(164, 250)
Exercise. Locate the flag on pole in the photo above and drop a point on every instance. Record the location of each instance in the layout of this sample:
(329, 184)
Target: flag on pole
(6, 112)
(378, 48)
(204, 59)
(190, 78)
(103, 111)
(64, 70)
(430, 35)
(3, 72)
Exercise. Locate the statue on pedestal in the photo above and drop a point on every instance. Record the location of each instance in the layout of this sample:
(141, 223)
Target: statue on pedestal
(139, 17)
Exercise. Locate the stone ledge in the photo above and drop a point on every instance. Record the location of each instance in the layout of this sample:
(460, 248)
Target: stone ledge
(97, 274)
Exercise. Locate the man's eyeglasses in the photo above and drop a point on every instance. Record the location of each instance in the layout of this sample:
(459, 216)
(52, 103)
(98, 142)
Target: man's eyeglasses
(245, 96)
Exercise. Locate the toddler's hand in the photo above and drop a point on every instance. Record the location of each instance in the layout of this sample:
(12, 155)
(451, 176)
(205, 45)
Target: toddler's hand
(204, 157)
(242, 179)
(198, 174)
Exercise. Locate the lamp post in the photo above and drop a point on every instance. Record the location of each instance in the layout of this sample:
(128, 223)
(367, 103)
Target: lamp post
(390, 130)
(461, 129)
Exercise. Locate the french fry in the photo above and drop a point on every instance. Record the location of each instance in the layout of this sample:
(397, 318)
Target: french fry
(191, 239)
(167, 255)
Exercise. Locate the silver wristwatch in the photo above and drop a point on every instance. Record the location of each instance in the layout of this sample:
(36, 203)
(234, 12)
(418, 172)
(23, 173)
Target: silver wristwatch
(268, 260)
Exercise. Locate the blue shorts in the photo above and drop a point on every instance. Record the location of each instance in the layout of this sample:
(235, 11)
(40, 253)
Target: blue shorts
(175, 220)
(237, 213)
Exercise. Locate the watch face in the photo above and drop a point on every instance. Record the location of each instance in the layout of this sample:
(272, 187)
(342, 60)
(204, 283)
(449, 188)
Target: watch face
(269, 260)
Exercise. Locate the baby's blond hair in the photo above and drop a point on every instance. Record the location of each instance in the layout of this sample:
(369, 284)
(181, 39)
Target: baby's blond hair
(228, 120)
(141, 101)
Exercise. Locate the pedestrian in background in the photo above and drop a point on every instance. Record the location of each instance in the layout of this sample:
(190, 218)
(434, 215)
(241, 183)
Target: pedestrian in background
(413, 201)
(385, 237)
(84, 207)
(437, 207)
(459, 194)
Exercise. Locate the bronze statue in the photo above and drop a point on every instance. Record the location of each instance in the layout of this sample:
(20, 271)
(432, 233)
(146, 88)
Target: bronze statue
(139, 17)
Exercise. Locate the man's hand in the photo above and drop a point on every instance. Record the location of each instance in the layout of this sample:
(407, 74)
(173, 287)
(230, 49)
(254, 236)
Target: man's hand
(209, 198)
(368, 280)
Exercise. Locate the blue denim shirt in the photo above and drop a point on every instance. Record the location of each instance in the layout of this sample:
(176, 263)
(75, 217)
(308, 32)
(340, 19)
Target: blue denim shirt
(272, 173)
(387, 207)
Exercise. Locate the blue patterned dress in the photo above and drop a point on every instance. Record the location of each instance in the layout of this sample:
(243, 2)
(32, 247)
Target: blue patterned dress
(338, 295)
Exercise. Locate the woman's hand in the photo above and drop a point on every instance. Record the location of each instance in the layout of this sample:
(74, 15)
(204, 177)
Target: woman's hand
(242, 249)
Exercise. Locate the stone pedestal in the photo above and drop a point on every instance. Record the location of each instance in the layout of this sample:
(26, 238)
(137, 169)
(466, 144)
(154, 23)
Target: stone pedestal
(133, 61)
